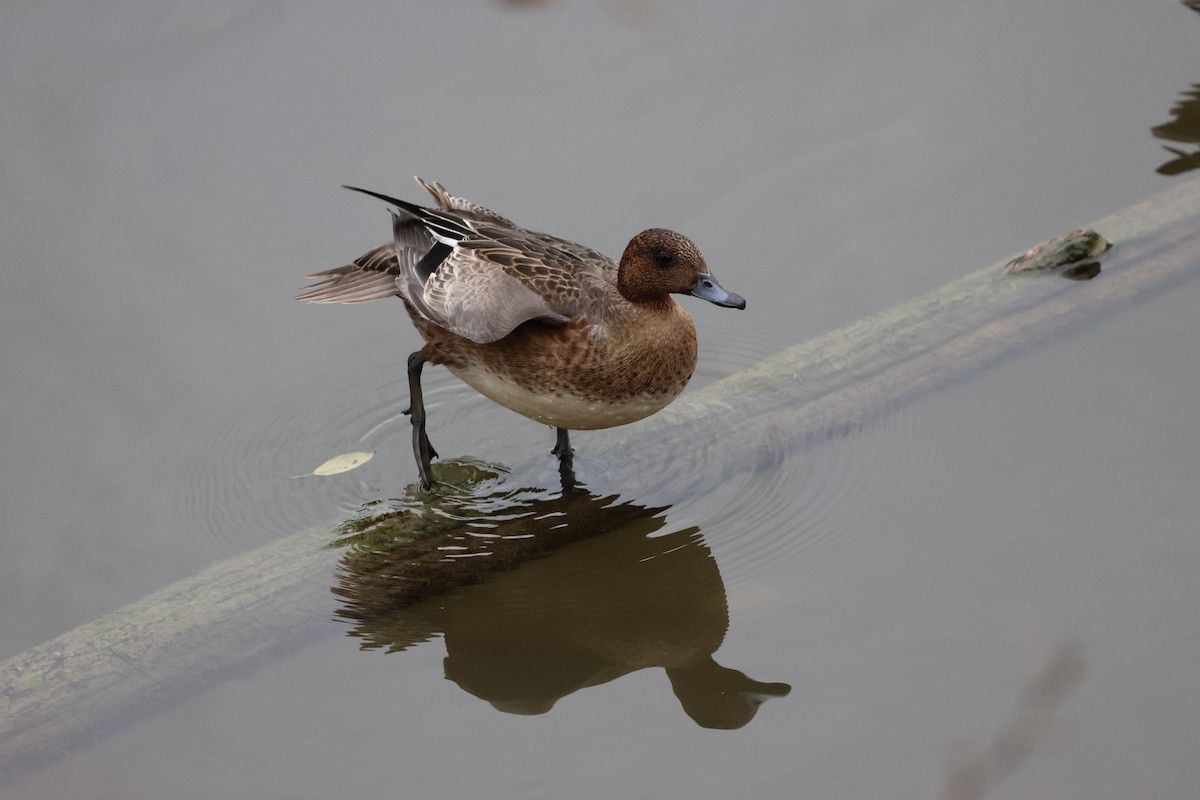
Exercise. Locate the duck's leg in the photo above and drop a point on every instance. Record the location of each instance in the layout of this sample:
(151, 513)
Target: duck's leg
(422, 450)
(562, 447)
(566, 459)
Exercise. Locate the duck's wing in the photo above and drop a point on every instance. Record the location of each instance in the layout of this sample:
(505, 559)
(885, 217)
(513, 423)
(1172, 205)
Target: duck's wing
(471, 271)
(493, 278)
(374, 275)
(464, 207)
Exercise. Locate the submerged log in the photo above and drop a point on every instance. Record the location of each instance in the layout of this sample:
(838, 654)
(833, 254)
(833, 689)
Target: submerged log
(58, 696)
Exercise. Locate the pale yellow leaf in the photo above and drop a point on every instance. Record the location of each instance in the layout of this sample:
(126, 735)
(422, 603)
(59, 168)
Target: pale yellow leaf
(343, 463)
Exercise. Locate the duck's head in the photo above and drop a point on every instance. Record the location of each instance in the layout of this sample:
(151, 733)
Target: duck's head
(659, 262)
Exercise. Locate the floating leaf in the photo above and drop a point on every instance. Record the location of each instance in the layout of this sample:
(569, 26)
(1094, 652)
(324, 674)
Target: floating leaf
(339, 464)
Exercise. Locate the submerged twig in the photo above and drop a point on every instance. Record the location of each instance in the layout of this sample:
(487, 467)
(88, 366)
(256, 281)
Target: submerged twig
(971, 778)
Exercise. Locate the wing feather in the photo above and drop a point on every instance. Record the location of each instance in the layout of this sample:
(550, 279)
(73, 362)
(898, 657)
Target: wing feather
(472, 271)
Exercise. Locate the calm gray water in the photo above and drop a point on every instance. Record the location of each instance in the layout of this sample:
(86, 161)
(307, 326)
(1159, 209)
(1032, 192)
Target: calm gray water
(169, 171)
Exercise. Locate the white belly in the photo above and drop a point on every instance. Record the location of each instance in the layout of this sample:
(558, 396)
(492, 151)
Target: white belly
(562, 410)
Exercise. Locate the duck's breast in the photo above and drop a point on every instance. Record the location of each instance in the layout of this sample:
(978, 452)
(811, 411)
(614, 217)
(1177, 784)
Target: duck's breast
(584, 376)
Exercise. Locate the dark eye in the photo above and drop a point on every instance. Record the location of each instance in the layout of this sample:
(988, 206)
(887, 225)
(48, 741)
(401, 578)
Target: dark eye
(664, 258)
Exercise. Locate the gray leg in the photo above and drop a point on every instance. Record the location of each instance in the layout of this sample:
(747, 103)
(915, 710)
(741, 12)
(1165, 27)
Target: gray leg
(562, 447)
(565, 453)
(422, 450)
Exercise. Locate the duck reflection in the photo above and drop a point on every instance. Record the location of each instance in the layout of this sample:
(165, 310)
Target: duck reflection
(524, 628)
(1185, 127)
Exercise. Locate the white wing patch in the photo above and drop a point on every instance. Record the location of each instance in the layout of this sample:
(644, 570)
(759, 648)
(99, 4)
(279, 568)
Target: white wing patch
(481, 301)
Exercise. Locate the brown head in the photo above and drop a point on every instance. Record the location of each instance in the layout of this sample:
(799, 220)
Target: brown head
(659, 262)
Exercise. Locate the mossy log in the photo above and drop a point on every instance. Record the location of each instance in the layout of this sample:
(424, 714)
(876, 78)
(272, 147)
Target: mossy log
(238, 613)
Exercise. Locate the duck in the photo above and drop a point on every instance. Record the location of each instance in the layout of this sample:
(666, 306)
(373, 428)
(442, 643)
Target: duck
(548, 328)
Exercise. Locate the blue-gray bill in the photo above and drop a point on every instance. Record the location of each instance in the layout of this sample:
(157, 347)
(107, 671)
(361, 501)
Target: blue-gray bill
(708, 289)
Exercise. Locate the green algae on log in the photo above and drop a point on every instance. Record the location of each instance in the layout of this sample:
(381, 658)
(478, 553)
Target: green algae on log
(1077, 248)
(1070, 248)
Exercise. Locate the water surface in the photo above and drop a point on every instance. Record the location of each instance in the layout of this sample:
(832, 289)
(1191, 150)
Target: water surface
(167, 174)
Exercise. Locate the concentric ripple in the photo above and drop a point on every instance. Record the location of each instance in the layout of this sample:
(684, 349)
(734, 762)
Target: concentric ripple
(242, 483)
(793, 507)
(728, 345)
(240, 488)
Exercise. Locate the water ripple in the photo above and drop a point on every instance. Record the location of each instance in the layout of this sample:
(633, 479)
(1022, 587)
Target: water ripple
(238, 487)
(792, 509)
(240, 484)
